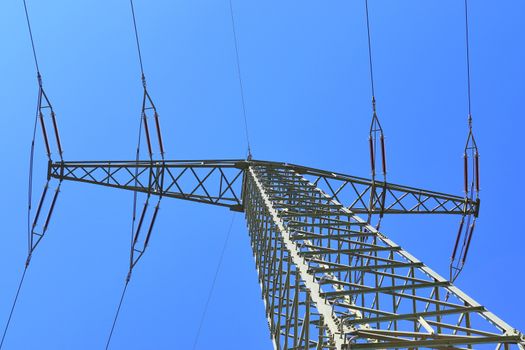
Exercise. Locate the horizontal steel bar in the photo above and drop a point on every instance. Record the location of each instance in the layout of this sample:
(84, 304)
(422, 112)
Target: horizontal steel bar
(409, 200)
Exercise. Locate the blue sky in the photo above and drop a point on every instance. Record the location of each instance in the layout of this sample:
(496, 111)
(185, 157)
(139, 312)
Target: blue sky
(307, 93)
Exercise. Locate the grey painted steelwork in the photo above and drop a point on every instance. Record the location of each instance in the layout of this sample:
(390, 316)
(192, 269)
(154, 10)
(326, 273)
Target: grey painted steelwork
(332, 281)
(329, 279)
(220, 182)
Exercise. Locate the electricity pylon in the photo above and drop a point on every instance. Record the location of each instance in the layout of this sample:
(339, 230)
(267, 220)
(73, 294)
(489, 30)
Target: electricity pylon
(329, 279)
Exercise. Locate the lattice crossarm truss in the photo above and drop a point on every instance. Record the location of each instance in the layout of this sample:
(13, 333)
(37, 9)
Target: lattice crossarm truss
(331, 281)
(365, 196)
(220, 182)
(211, 182)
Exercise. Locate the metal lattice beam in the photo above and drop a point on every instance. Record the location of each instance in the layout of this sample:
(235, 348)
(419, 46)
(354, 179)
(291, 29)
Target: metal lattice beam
(332, 281)
(329, 279)
(220, 182)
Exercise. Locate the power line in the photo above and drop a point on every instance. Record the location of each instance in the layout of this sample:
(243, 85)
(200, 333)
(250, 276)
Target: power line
(137, 39)
(31, 36)
(117, 313)
(32, 151)
(212, 287)
(13, 306)
(240, 80)
(467, 49)
(30, 176)
(135, 194)
(369, 50)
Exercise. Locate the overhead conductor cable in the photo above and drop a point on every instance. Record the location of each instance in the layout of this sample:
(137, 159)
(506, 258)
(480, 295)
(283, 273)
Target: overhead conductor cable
(241, 86)
(213, 283)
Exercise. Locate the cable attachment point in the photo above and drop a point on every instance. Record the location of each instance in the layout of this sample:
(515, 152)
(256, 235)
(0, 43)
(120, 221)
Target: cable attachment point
(464, 237)
(38, 229)
(28, 260)
(45, 111)
(149, 110)
(471, 188)
(376, 139)
(140, 242)
(471, 165)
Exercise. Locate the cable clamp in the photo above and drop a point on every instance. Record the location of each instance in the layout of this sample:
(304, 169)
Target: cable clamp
(28, 260)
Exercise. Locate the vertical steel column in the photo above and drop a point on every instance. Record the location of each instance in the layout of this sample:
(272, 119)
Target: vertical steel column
(298, 316)
(330, 280)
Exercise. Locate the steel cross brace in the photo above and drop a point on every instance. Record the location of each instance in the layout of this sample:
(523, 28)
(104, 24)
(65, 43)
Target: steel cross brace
(221, 182)
(329, 279)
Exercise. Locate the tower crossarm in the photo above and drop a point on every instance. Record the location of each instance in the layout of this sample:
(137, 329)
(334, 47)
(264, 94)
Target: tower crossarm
(222, 182)
(329, 279)
(365, 196)
(216, 182)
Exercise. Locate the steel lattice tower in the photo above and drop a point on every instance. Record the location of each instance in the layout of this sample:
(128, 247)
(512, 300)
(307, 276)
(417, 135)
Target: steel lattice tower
(329, 279)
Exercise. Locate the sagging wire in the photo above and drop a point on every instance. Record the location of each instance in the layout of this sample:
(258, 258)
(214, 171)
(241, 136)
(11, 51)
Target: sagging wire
(376, 136)
(13, 307)
(138, 244)
(241, 86)
(34, 236)
(470, 179)
(212, 287)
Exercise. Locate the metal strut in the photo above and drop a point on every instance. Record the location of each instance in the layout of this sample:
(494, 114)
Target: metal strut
(221, 182)
(305, 254)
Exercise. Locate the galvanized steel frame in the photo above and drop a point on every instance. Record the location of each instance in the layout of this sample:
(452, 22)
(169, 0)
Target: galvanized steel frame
(332, 281)
(329, 279)
(220, 182)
